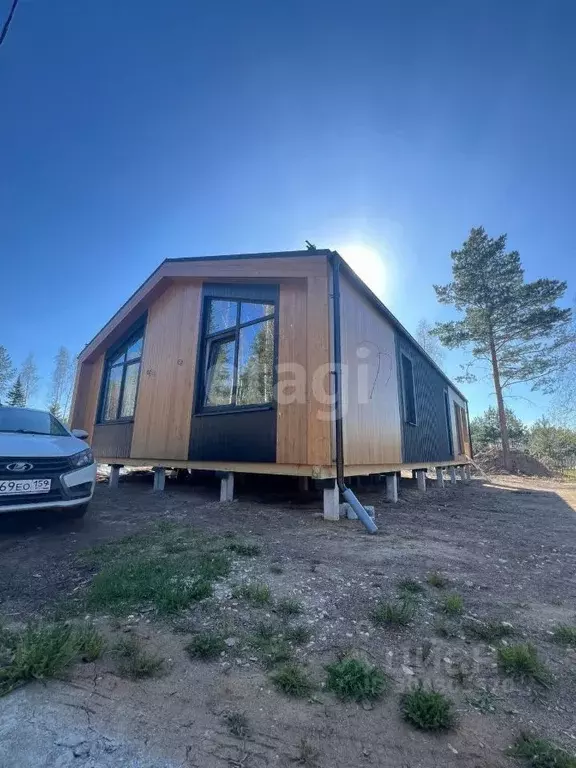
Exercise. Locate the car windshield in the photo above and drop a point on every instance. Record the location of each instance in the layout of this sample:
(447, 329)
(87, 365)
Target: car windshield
(28, 422)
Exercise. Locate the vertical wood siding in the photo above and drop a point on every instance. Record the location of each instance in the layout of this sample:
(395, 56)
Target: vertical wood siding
(292, 412)
(427, 441)
(164, 404)
(112, 440)
(86, 394)
(371, 403)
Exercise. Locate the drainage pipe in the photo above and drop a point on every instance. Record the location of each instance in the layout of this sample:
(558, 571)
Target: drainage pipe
(365, 518)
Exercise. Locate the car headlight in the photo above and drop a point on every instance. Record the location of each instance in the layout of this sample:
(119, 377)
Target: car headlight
(82, 459)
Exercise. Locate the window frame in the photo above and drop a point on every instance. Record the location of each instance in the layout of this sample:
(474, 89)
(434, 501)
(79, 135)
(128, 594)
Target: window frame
(404, 385)
(122, 346)
(232, 333)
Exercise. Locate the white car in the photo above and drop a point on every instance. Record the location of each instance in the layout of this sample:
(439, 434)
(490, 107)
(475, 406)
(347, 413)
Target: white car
(42, 464)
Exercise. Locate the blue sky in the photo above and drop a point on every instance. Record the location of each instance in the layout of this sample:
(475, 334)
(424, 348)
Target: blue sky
(134, 131)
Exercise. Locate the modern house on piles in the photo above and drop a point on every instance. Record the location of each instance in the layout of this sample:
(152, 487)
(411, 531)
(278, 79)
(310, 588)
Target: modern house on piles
(276, 363)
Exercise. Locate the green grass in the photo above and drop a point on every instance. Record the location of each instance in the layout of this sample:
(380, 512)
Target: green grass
(564, 634)
(453, 604)
(271, 645)
(541, 753)
(244, 548)
(135, 662)
(206, 646)
(489, 631)
(293, 680)
(252, 592)
(410, 586)
(399, 613)
(356, 680)
(289, 607)
(522, 663)
(428, 710)
(44, 651)
(436, 579)
(167, 568)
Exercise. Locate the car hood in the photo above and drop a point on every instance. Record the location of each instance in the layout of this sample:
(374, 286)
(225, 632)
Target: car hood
(28, 446)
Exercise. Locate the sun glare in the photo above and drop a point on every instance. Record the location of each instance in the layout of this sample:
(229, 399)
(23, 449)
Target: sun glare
(368, 264)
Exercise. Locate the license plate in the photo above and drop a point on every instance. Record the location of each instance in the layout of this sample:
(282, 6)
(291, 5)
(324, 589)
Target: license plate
(8, 487)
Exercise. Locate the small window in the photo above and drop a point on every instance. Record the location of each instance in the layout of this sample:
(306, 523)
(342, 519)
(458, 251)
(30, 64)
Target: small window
(238, 354)
(121, 380)
(408, 393)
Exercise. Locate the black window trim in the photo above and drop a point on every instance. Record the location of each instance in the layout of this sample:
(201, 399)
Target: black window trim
(404, 404)
(233, 332)
(124, 343)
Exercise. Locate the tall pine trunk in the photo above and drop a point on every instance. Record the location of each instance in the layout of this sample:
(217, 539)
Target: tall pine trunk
(501, 410)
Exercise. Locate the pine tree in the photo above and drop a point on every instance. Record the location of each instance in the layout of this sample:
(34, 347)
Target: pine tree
(509, 323)
(16, 394)
(485, 429)
(7, 371)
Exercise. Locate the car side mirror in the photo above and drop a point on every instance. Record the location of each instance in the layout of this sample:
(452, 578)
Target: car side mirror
(80, 433)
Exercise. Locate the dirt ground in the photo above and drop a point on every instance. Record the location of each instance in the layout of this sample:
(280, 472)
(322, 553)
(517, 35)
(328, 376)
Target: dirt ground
(508, 547)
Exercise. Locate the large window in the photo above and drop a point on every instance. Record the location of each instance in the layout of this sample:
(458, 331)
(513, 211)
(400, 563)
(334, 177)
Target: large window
(121, 380)
(408, 393)
(238, 354)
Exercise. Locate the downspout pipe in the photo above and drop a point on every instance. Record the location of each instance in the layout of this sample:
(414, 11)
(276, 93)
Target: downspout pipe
(347, 494)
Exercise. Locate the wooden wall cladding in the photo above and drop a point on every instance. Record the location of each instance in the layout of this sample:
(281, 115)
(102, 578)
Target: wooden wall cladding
(320, 381)
(372, 433)
(164, 405)
(292, 410)
(86, 394)
(112, 440)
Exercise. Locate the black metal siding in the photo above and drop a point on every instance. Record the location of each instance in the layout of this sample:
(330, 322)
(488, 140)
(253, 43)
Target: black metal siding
(427, 440)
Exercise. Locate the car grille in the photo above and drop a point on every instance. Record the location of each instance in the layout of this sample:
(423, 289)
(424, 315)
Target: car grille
(44, 468)
(51, 465)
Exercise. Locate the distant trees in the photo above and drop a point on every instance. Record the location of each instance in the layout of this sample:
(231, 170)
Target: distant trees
(512, 325)
(486, 432)
(61, 384)
(429, 342)
(555, 446)
(16, 396)
(7, 371)
(29, 377)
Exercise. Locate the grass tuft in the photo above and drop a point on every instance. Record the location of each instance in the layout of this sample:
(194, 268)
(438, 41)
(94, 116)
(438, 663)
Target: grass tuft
(354, 679)
(522, 663)
(244, 548)
(428, 710)
(436, 579)
(489, 631)
(564, 634)
(258, 594)
(271, 644)
(292, 680)
(206, 646)
(399, 613)
(289, 607)
(135, 661)
(298, 635)
(44, 651)
(237, 723)
(453, 604)
(410, 586)
(541, 753)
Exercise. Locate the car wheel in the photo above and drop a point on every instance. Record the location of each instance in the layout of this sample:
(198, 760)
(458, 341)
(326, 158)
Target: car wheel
(74, 513)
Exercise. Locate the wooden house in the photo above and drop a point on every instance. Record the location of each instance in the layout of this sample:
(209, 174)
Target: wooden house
(281, 363)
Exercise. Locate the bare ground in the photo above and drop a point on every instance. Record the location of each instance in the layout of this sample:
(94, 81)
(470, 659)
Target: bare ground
(507, 547)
